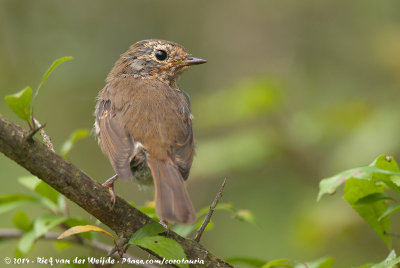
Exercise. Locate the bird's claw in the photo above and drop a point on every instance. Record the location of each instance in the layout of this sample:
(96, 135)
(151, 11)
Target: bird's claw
(109, 184)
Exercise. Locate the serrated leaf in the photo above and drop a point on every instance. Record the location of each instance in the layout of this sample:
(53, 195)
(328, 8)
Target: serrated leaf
(249, 261)
(46, 75)
(277, 263)
(164, 247)
(148, 230)
(20, 103)
(73, 138)
(355, 190)
(11, 201)
(82, 229)
(21, 221)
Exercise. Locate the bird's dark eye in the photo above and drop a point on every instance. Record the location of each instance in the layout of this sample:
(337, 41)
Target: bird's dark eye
(161, 55)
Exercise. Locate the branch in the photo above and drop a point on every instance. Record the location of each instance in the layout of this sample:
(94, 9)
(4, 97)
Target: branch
(14, 234)
(210, 212)
(69, 180)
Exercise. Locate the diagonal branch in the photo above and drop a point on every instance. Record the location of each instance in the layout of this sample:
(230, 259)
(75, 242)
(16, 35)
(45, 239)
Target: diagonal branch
(84, 191)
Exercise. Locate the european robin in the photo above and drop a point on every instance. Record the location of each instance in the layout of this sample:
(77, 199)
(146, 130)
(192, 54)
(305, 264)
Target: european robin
(144, 124)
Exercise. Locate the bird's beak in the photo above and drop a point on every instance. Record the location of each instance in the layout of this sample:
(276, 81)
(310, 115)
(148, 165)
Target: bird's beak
(189, 60)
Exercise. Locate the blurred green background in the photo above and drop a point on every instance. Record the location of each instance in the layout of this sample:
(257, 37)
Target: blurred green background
(293, 91)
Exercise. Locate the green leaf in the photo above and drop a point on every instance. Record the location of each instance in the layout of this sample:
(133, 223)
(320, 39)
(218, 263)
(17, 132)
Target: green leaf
(48, 192)
(21, 221)
(245, 215)
(389, 211)
(73, 138)
(164, 247)
(385, 162)
(277, 263)
(355, 190)
(327, 262)
(148, 230)
(384, 168)
(26, 242)
(11, 201)
(20, 103)
(149, 211)
(185, 230)
(50, 197)
(46, 75)
(29, 182)
(44, 223)
(329, 185)
(373, 198)
(249, 261)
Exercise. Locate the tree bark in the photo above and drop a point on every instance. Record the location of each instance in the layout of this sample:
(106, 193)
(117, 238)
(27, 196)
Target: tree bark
(70, 181)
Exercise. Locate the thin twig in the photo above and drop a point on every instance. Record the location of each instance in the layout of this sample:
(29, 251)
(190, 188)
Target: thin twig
(392, 234)
(46, 138)
(118, 247)
(15, 234)
(210, 212)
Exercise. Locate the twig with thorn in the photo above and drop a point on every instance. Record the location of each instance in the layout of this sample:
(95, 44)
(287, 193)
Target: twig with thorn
(32, 133)
(209, 213)
(46, 138)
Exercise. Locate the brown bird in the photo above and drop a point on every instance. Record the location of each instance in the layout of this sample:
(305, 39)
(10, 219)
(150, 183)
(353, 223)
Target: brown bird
(144, 124)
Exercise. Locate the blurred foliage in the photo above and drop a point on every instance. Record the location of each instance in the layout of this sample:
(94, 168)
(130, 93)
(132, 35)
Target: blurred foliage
(323, 92)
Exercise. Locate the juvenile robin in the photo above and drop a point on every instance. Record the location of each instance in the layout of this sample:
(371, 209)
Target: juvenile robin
(144, 124)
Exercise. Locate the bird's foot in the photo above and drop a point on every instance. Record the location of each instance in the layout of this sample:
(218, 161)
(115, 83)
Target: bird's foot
(109, 184)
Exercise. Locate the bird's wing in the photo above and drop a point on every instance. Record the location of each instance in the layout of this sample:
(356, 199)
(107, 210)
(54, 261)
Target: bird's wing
(184, 149)
(113, 139)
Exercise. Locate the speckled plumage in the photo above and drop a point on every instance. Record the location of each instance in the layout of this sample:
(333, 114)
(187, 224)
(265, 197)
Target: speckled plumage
(144, 123)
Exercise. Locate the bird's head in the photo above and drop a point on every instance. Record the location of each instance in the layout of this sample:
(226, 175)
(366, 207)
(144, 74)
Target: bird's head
(154, 59)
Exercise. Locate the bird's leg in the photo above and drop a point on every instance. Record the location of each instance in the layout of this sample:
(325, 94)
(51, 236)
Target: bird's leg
(109, 184)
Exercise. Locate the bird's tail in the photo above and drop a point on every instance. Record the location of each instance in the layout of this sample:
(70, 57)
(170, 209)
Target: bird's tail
(172, 199)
